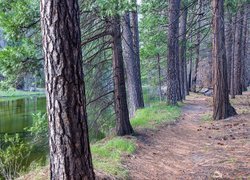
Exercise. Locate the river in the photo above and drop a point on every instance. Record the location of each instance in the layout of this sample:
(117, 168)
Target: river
(16, 114)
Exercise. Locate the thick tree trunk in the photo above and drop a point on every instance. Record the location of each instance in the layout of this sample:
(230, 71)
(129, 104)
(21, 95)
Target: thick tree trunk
(123, 126)
(70, 156)
(136, 45)
(238, 52)
(221, 105)
(172, 72)
(182, 52)
(197, 47)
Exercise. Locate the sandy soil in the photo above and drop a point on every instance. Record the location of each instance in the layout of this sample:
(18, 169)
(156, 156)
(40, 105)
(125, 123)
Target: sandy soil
(195, 147)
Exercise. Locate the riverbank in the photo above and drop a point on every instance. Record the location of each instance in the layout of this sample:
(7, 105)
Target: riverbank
(108, 154)
(21, 93)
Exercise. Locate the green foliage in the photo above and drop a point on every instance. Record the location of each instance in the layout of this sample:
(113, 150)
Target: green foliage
(107, 8)
(156, 114)
(234, 5)
(19, 21)
(153, 39)
(40, 138)
(17, 16)
(153, 33)
(107, 155)
(13, 156)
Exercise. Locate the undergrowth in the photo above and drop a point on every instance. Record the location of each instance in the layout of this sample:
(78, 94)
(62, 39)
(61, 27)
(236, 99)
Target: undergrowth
(107, 155)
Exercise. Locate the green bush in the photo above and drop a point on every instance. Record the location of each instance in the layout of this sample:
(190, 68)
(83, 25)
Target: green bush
(13, 156)
(39, 131)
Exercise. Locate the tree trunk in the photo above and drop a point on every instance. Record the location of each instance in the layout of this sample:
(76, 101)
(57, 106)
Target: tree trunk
(123, 126)
(182, 52)
(221, 105)
(232, 83)
(238, 52)
(70, 156)
(244, 49)
(159, 75)
(190, 67)
(130, 66)
(136, 45)
(229, 45)
(172, 72)
(197, 47)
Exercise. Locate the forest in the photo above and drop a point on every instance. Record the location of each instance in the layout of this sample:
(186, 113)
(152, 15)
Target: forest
(124, 89)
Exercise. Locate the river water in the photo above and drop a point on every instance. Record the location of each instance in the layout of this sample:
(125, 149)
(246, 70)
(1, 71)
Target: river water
(16, 114)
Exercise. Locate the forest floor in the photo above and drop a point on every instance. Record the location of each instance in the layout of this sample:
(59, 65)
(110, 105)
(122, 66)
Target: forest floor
(195, 147)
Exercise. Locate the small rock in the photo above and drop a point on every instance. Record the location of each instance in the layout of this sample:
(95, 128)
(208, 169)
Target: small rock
(217, 174)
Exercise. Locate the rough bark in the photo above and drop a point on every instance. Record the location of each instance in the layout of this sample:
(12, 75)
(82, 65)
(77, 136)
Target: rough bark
(132, 69)
(172, 71)
(70, 156)
(221, 106)
(123, 126)
(238, 52)
(136, 47)
(182, 52)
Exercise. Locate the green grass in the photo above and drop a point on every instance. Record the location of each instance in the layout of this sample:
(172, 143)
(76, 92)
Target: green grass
(107, 155)
(18, 93)
(156, 114)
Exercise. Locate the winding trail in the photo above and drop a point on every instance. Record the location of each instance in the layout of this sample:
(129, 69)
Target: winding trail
(195, 147)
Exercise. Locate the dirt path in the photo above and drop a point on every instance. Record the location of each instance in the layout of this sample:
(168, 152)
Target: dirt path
(195, 147)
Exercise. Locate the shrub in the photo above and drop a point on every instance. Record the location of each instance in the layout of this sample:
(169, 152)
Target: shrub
(13, 155)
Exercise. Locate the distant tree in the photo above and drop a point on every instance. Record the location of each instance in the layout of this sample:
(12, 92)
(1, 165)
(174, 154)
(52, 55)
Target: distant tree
(70, 156)
(132, 60)
(221, 105)
(136, 47)
(132, 83)
(229, 43)
(123, 126)
(238, 59)
(244, 47)
(197, 45)
(182, 50)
